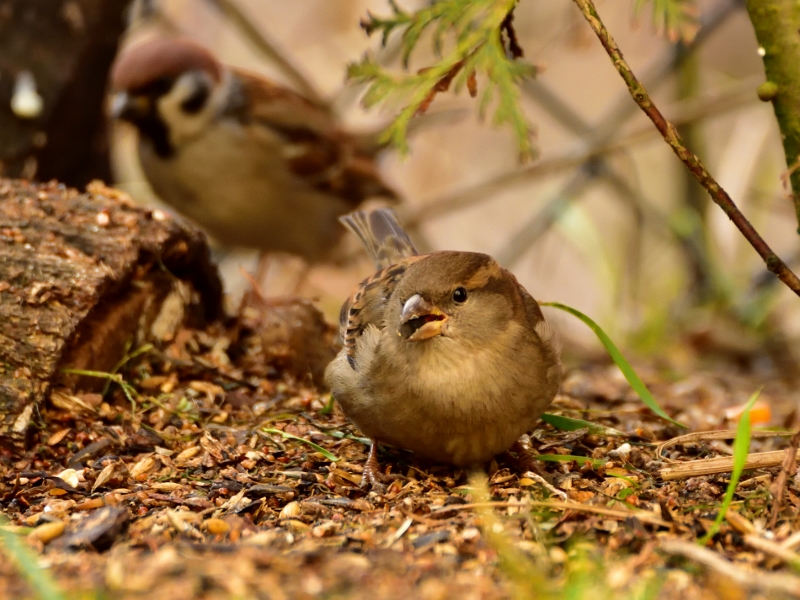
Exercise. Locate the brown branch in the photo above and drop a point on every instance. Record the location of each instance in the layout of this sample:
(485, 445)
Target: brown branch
(511, 43)
(692, 162)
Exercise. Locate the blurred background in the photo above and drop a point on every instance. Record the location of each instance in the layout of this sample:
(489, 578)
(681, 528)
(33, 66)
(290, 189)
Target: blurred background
(606, 219)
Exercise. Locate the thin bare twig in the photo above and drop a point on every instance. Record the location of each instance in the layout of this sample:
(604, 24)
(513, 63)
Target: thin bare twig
(596, 140)
(545, 484)
(752, 579)
(707, 436)
(692, 162)
(721, 464)
(268, 48)
(792, 542)
(773, 549)
(752, 538)
(683, 113)
(779, 487)
(642, 515)
(589, 153)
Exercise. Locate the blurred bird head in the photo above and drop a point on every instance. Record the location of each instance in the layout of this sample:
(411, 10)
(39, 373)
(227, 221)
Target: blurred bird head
(169, 89)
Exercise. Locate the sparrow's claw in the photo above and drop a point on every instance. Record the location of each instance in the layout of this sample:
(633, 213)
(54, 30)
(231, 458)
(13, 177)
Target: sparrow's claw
(526, 459)
(370, 482)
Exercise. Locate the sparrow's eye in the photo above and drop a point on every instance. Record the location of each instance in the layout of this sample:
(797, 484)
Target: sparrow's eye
(196, 100)
(459, 295)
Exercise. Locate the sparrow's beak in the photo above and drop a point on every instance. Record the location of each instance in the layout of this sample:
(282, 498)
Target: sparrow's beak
(129, 108)
(420, 320)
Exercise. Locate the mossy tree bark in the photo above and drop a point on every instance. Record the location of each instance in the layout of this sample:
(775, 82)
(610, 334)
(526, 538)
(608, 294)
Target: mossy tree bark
(777, 26)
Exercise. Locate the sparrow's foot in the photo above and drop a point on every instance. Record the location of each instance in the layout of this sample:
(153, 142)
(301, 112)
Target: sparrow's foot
(526, 458)
(372, 477)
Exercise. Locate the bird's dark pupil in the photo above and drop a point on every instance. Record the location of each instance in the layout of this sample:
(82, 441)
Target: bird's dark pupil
(196, 101)
(460, 295)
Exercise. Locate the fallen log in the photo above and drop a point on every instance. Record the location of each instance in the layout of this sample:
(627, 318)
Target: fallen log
(83, 276)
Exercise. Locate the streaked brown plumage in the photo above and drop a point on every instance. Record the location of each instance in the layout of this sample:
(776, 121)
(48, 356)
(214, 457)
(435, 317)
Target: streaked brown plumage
(445, 354)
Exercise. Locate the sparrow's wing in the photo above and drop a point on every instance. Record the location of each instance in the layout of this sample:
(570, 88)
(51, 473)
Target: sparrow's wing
(318, 152)
(382, 235)
(367, 304)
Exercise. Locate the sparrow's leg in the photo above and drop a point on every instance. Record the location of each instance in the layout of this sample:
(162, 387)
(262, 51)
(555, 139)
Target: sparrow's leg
(262, 268)
(302, 279)
(372, 471)
(254, 297)
(526, 458)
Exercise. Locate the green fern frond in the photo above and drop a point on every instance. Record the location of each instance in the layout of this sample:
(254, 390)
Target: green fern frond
(477, 27)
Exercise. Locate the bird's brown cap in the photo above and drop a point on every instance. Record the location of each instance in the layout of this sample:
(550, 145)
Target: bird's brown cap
(164, 57)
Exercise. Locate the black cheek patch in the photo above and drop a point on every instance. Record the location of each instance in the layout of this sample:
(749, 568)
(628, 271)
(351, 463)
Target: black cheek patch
(153, 128)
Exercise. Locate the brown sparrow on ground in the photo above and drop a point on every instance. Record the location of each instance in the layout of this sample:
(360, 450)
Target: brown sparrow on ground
(255, 164)
(445, 354)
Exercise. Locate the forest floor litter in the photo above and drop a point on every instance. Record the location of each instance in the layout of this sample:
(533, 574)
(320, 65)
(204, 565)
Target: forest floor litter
(217, 470)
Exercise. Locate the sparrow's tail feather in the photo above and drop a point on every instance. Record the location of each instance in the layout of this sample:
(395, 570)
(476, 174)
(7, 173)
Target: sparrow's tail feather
(382, 235)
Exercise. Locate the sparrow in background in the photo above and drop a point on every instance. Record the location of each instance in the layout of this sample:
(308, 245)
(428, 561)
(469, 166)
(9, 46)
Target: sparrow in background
(254, 164)
(445, 354)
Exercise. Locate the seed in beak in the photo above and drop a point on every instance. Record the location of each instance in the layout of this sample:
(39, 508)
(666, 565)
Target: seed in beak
(420, 320)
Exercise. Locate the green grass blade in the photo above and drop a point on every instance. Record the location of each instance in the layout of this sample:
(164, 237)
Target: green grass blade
(741, 447)
(117, 378)
(567, 424)
(328, 408)
(340, 435)
(633, 379)
(317, 447)
(581, 460)
(40, 580)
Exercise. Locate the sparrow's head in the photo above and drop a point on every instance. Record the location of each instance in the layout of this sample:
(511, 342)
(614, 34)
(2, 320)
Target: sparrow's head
(464, 296)
(170, 89)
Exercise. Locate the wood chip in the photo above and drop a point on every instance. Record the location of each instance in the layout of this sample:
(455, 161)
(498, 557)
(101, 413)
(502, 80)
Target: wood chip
(216, 526)
(58, 436)
(48, 532)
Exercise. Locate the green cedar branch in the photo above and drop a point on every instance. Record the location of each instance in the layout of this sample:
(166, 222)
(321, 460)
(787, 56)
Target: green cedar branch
(692, 162)
(479, 27)
(776, 23)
